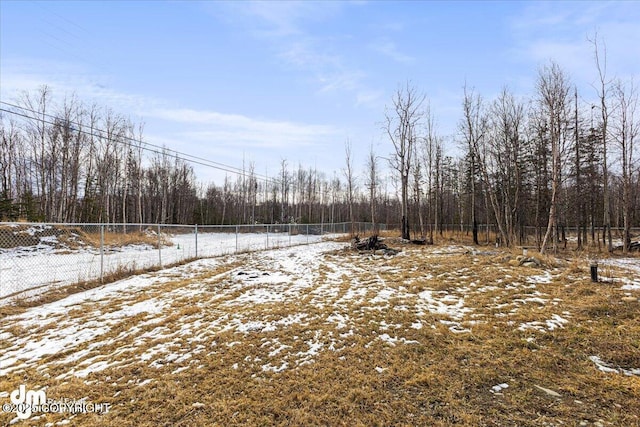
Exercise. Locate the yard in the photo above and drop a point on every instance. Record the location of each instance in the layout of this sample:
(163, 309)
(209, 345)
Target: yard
(322, 335)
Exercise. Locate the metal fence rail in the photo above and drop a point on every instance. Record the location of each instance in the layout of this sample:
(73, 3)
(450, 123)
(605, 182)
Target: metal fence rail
(37, 256)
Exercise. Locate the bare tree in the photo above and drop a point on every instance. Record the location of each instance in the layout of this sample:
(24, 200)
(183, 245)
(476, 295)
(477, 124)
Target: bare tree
(417, 189)
(500, 163)
(473, 128)
(285, 187)
(336, 188)
(625, 129)
(313, 188)
(553, 92)
(253, 191)
(226, 196)
(138, 172)
(401, 126)
(349, 176)
(11, 174)
(40, 168)
(428, 152)
(372, 182)
(439, 160)
(603, 92)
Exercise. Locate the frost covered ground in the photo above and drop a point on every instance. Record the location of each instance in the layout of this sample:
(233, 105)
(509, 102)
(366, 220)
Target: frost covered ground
(318, 334)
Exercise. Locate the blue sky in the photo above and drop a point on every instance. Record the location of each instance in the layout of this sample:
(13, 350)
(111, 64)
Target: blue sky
(267, 81)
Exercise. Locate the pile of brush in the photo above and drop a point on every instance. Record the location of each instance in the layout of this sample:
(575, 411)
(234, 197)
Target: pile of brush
(372, 244)
(633, 246)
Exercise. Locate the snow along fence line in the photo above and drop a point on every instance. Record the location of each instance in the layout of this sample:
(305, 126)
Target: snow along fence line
(37, 256)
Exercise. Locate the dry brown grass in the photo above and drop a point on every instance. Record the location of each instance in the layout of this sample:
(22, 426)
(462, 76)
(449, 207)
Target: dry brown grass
(437, 376)
(125, 239)
(72, 237)
(19, 304)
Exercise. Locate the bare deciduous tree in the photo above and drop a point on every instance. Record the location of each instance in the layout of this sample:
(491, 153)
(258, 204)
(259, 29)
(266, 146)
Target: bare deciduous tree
(349, 176)
(625, 129)
(401, 126)
(553, 91)
(431, 151)
(603, 92)
(500, 168)
(473, 128)
(372, 182)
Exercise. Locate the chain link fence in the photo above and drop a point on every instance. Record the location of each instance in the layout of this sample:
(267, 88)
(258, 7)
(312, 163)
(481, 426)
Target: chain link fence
(37, 256)
(566, 236)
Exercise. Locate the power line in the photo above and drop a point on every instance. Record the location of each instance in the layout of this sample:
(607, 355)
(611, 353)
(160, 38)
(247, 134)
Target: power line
(129, 141)
(164, 151)
(178, 155)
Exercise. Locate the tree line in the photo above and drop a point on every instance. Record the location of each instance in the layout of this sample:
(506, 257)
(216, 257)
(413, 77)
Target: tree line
(72, 162)
(531, 167)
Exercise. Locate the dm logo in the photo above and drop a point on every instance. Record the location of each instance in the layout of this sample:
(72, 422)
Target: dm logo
(25, 401)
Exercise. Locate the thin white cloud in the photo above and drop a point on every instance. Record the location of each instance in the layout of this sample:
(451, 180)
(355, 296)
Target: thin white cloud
(560, 31)
(341, 80)
(278, 19)
(244, 131)
(211, 134)
(295, 33)
(303, 54)
(64, 79)
(370, 98)
(235, 120)
(234, 139)
(561, 15)
(576, 53)
(389, 49)
(329, 71)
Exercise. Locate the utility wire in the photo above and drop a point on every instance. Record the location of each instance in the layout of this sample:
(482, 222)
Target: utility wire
(128, 141)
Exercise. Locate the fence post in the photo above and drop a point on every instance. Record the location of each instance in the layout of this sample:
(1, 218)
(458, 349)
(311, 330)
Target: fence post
(289, 234)
(594, 272)
(159, 247)
(237, 239)
(101, 253)
(267, 247)
(196, 240)
(307, 233)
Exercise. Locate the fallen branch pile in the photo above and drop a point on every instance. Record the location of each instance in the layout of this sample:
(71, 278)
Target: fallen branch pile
(372, 244)
(633, 246)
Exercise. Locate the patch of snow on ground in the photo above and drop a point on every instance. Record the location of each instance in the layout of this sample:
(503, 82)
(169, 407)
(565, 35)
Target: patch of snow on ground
(383, 295)
(339, 319)
(545, 277)
(604, 367)
(549, 325)
(498, 388)
(276, 369)
(34, 269)
(449, 305)
(632, 265)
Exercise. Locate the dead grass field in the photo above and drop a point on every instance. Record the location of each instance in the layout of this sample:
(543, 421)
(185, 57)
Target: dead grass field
(318, 335)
